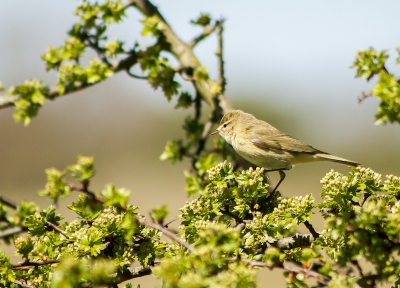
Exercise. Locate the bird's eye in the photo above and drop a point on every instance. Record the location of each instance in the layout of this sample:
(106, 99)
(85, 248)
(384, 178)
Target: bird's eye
(225, 125)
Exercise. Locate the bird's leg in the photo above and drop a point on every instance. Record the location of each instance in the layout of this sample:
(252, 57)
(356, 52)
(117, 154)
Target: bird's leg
(281, 174)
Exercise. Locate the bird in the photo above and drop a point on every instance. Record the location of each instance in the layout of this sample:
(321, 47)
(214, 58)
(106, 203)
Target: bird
(263, 145)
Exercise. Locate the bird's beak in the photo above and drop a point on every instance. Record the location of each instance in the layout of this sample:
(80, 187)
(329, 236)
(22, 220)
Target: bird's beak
(215, 132)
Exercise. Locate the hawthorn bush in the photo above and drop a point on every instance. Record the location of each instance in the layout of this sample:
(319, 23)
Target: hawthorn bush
(236, 225)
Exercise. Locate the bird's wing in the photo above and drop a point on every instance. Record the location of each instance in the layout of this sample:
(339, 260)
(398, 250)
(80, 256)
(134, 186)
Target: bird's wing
(279, 141)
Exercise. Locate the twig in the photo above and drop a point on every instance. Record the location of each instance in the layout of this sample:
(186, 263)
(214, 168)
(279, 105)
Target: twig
(28, 264)
(355, 263)
(363, 96)
(8, 202)
(310, 228)
(221, 63)
(202, 142)
(19, 284)
(12, 231)
(166, 225)
(285, 266)
(88, 193)
(166, 232)
(135, 76)
(58, 229)
(101, 52)
(207, 32)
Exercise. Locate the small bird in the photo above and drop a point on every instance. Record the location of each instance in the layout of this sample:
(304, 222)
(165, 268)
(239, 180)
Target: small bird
(265, 146)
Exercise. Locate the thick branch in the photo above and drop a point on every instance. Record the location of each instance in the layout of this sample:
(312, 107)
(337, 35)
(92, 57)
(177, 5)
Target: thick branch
(184, 54)
(28, 264)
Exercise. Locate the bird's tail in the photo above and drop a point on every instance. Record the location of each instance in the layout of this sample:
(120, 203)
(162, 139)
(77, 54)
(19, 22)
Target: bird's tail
(339, 160)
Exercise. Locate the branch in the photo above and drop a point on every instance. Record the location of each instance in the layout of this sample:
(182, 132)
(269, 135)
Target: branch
(296, 241)
(131, 273)
(222, 79)
(310, 228)
(135, 76)
(58, 229)
(19, 284)
(124, 64)
(184, 54)
(8, 202)
(12, 231)
(207, 32)
(88, 193)
(28, 264)
(287, 266)
(166, 233)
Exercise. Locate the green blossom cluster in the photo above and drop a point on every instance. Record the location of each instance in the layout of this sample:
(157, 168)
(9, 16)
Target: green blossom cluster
(242, 199)
(211, 264)
(362, 220)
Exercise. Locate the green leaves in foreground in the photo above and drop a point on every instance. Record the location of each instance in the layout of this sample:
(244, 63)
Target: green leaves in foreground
(208, 265)
(234, 226)
(362, 220)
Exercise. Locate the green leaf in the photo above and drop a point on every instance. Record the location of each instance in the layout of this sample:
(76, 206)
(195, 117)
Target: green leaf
(184, 100)
(159, 214)
(84, 169)
(92, 242)
(24, 246)
(56, 186)
(114, 196)
(173, 151)
(202, 20)
(86, 207)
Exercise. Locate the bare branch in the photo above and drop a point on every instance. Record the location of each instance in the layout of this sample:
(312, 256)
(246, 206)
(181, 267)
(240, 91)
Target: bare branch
(310, 228)
(88, 193)
(136, 76)
(8, 202)
(58, 229)
(12, 231)
(220, 54)
(166, 233)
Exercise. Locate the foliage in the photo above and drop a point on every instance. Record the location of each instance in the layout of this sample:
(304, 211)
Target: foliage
(370, 63)
(234, 224)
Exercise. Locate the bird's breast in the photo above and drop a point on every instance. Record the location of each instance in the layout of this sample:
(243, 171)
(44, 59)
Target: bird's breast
(269, 159)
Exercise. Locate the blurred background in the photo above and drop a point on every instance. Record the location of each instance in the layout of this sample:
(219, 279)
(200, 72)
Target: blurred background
(287, 62)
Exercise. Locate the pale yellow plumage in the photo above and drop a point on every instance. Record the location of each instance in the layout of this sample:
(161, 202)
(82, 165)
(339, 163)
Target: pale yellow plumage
(263, 145)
